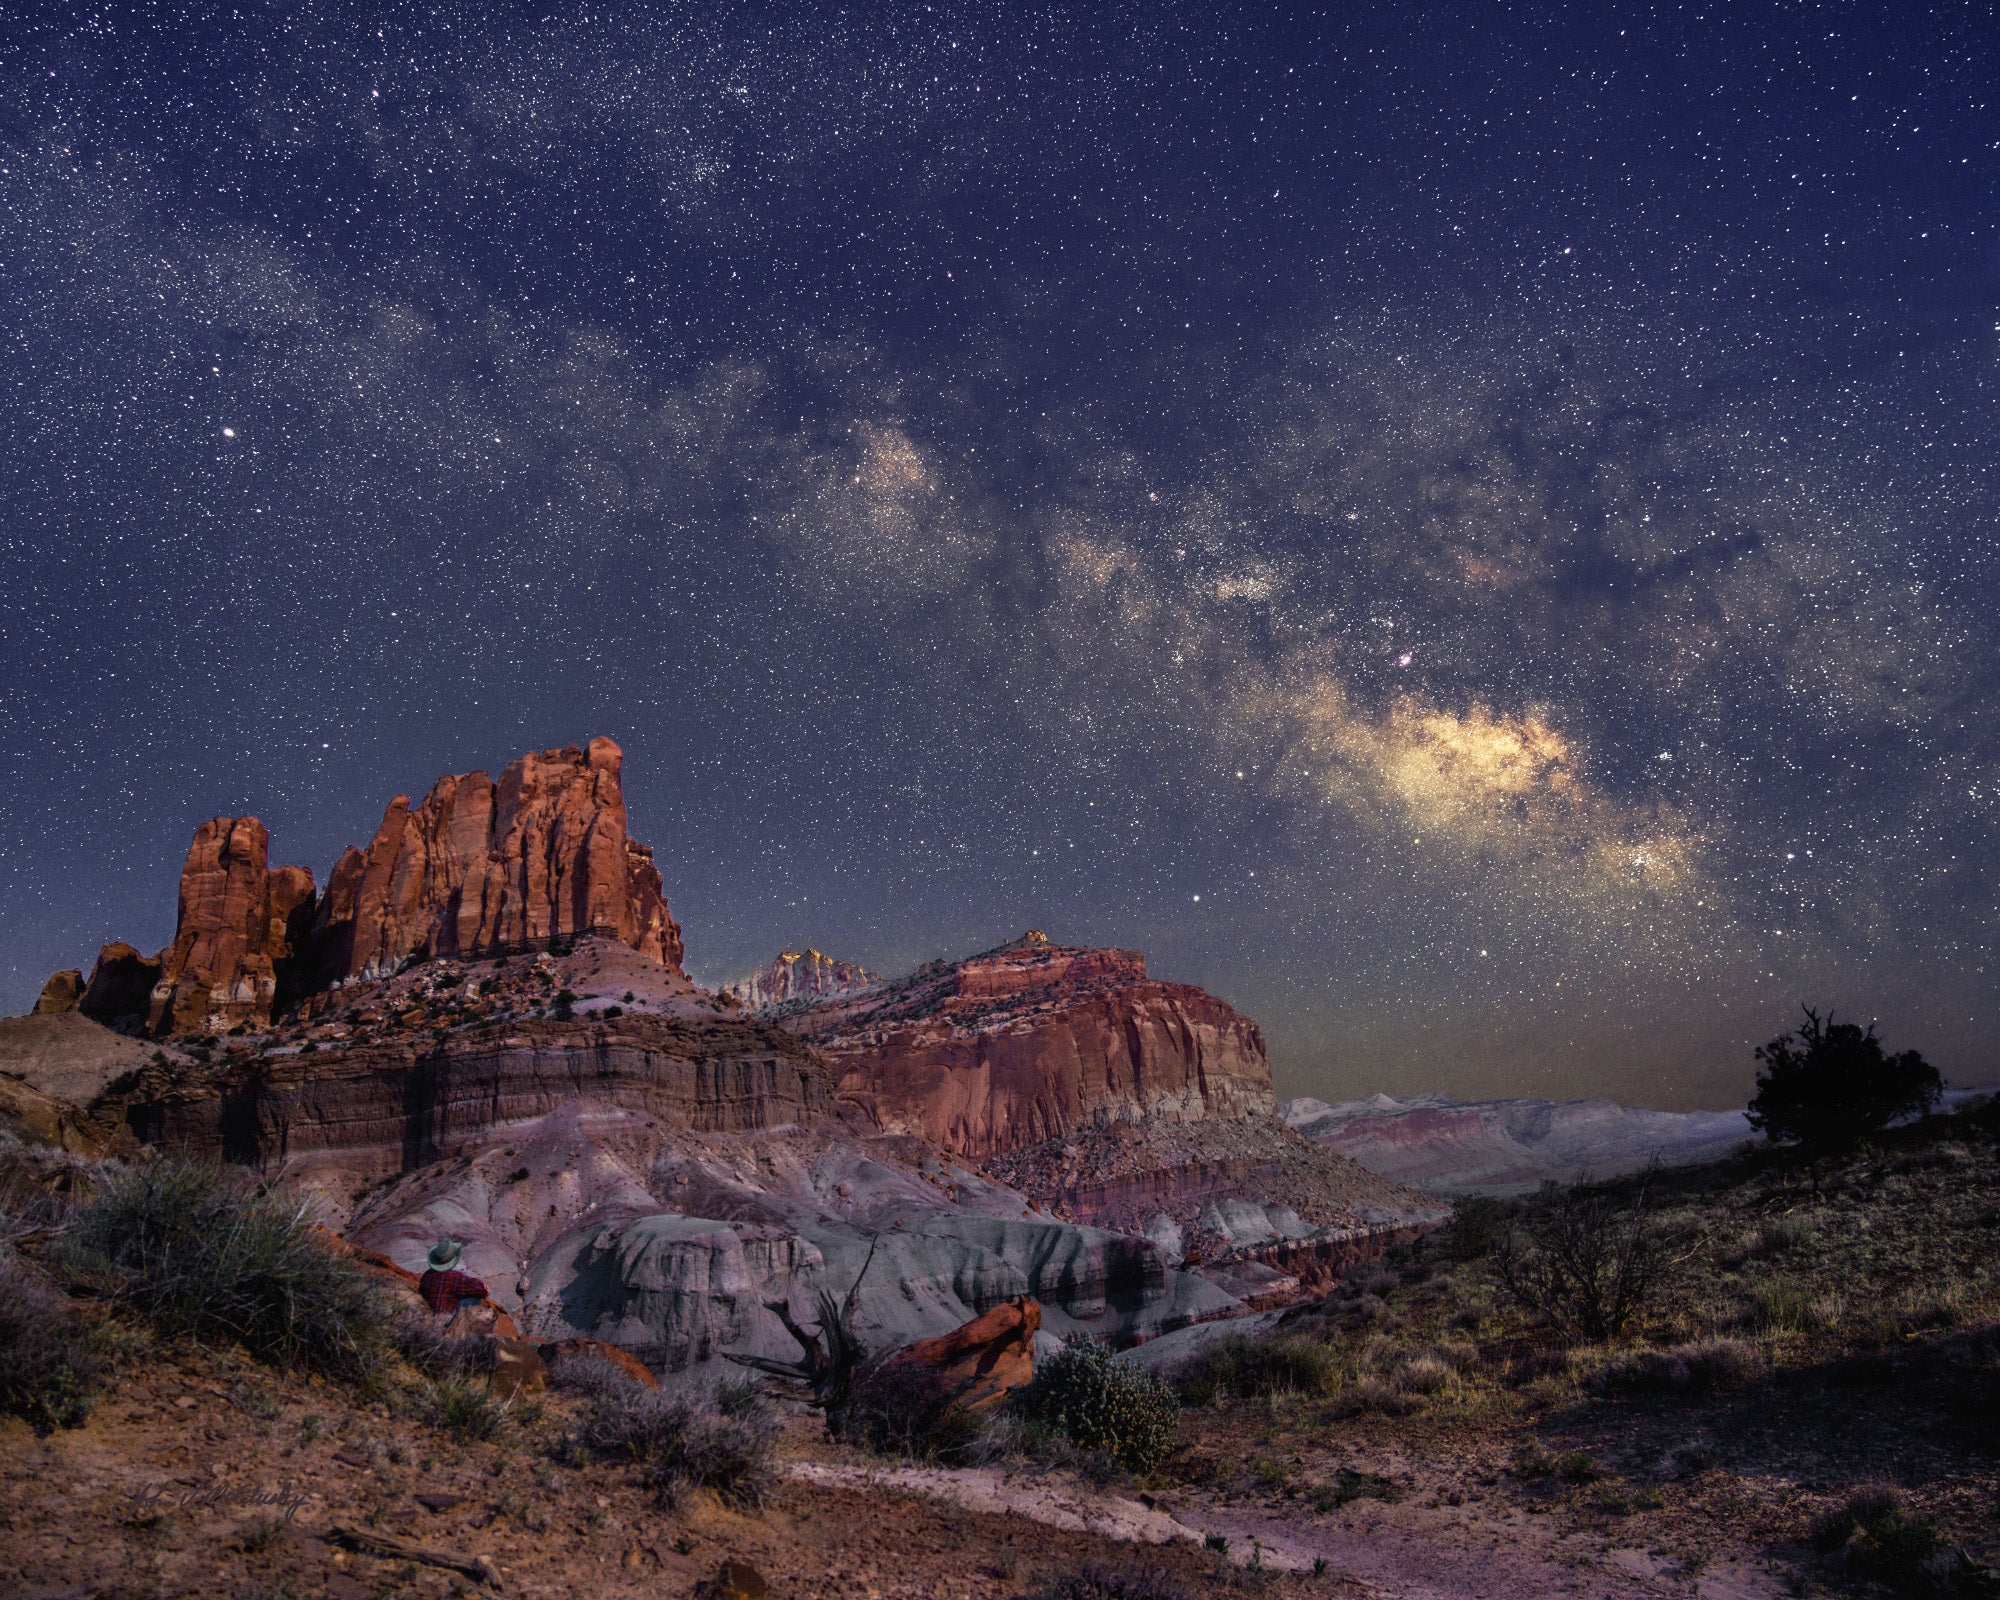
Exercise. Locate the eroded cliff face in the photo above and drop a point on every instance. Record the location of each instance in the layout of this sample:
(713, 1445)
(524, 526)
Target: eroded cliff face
(801, 977)
(481, 868)
(1032, 1041)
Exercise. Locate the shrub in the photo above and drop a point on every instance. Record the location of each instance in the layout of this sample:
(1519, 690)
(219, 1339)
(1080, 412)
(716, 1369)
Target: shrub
(1423, 1374)
(680, 1442)
(1130, 1582)
(419, 1338)
(49, 1363)
(903, 1408)
(1875, 1533)
(1105, 1404)
(1694, 1368)
(1477, 1223)
(1828, 1085)
(1246, 1367)
(191, 1249)
(1532, 1459)
(1349, 1486)
(1585, 1260)
(1371, 1396)
(461, 1407)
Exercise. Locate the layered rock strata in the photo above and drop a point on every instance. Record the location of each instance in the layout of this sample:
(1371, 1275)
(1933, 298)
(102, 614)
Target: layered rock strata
(800, 977)
(399, 1105)
(1031, 1041)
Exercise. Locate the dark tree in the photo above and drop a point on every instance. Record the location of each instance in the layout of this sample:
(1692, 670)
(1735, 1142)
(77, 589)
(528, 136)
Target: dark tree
(1829, 1084)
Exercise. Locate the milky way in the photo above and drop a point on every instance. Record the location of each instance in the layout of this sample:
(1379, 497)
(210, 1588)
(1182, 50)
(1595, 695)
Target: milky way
(1470, 534)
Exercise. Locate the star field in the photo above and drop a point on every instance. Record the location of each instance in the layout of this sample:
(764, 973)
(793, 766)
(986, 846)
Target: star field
(1471, 533)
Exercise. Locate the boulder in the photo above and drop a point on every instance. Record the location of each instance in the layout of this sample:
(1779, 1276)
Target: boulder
(518, 1369)
(987, 1358)
(484, 868)
(63, 992)
(39, 1119)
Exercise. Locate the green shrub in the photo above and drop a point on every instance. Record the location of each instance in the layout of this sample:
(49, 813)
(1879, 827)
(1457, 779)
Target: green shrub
(193, 1250)
(1238, 1365)
(50, 1364)
(1875, 1533)
(461, 1407)
(1104, 1404)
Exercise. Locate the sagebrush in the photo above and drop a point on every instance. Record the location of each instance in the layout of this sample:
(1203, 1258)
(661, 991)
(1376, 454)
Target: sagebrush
(201, 1255)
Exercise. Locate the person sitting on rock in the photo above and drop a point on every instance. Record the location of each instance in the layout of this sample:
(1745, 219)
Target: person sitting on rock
(443, 1286)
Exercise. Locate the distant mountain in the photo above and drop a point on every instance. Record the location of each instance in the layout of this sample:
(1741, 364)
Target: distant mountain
(801, 976)
(1503, 1147)
(1507, 1146)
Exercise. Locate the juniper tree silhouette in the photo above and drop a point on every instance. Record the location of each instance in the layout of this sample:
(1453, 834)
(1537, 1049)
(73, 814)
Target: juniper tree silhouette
(1828, 1085)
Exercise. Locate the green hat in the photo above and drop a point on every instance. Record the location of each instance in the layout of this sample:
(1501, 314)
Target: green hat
(445, 1254)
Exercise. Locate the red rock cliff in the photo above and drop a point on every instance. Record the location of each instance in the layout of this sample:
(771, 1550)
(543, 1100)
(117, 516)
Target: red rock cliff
(1029, 1042)
(482, 868)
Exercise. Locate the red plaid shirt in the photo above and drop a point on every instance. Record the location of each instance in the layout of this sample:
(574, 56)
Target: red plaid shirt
(442, 1291)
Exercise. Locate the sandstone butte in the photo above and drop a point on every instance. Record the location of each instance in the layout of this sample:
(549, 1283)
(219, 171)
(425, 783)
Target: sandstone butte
(1025, 1043)
(479, 869)
(795, 976)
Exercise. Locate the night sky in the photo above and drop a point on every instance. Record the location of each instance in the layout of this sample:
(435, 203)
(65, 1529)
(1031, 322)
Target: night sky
(1469, 531)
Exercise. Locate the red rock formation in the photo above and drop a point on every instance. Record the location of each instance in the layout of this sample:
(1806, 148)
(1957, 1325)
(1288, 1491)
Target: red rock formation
(482, 869)
(63, 992)
(238, 921)
(800, 975)
(120, 990)
(1025, 1043)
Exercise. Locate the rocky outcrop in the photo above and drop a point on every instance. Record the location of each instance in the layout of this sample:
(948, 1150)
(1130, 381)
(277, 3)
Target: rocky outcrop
(62, 993)
(479, 869)
(120, 991)
(800, 977)
(484, 868)
(239, 925)
(239, 936)
(1031, 1041)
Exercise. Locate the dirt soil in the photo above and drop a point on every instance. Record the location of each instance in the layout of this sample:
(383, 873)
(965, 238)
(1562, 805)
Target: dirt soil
(209, 1474)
